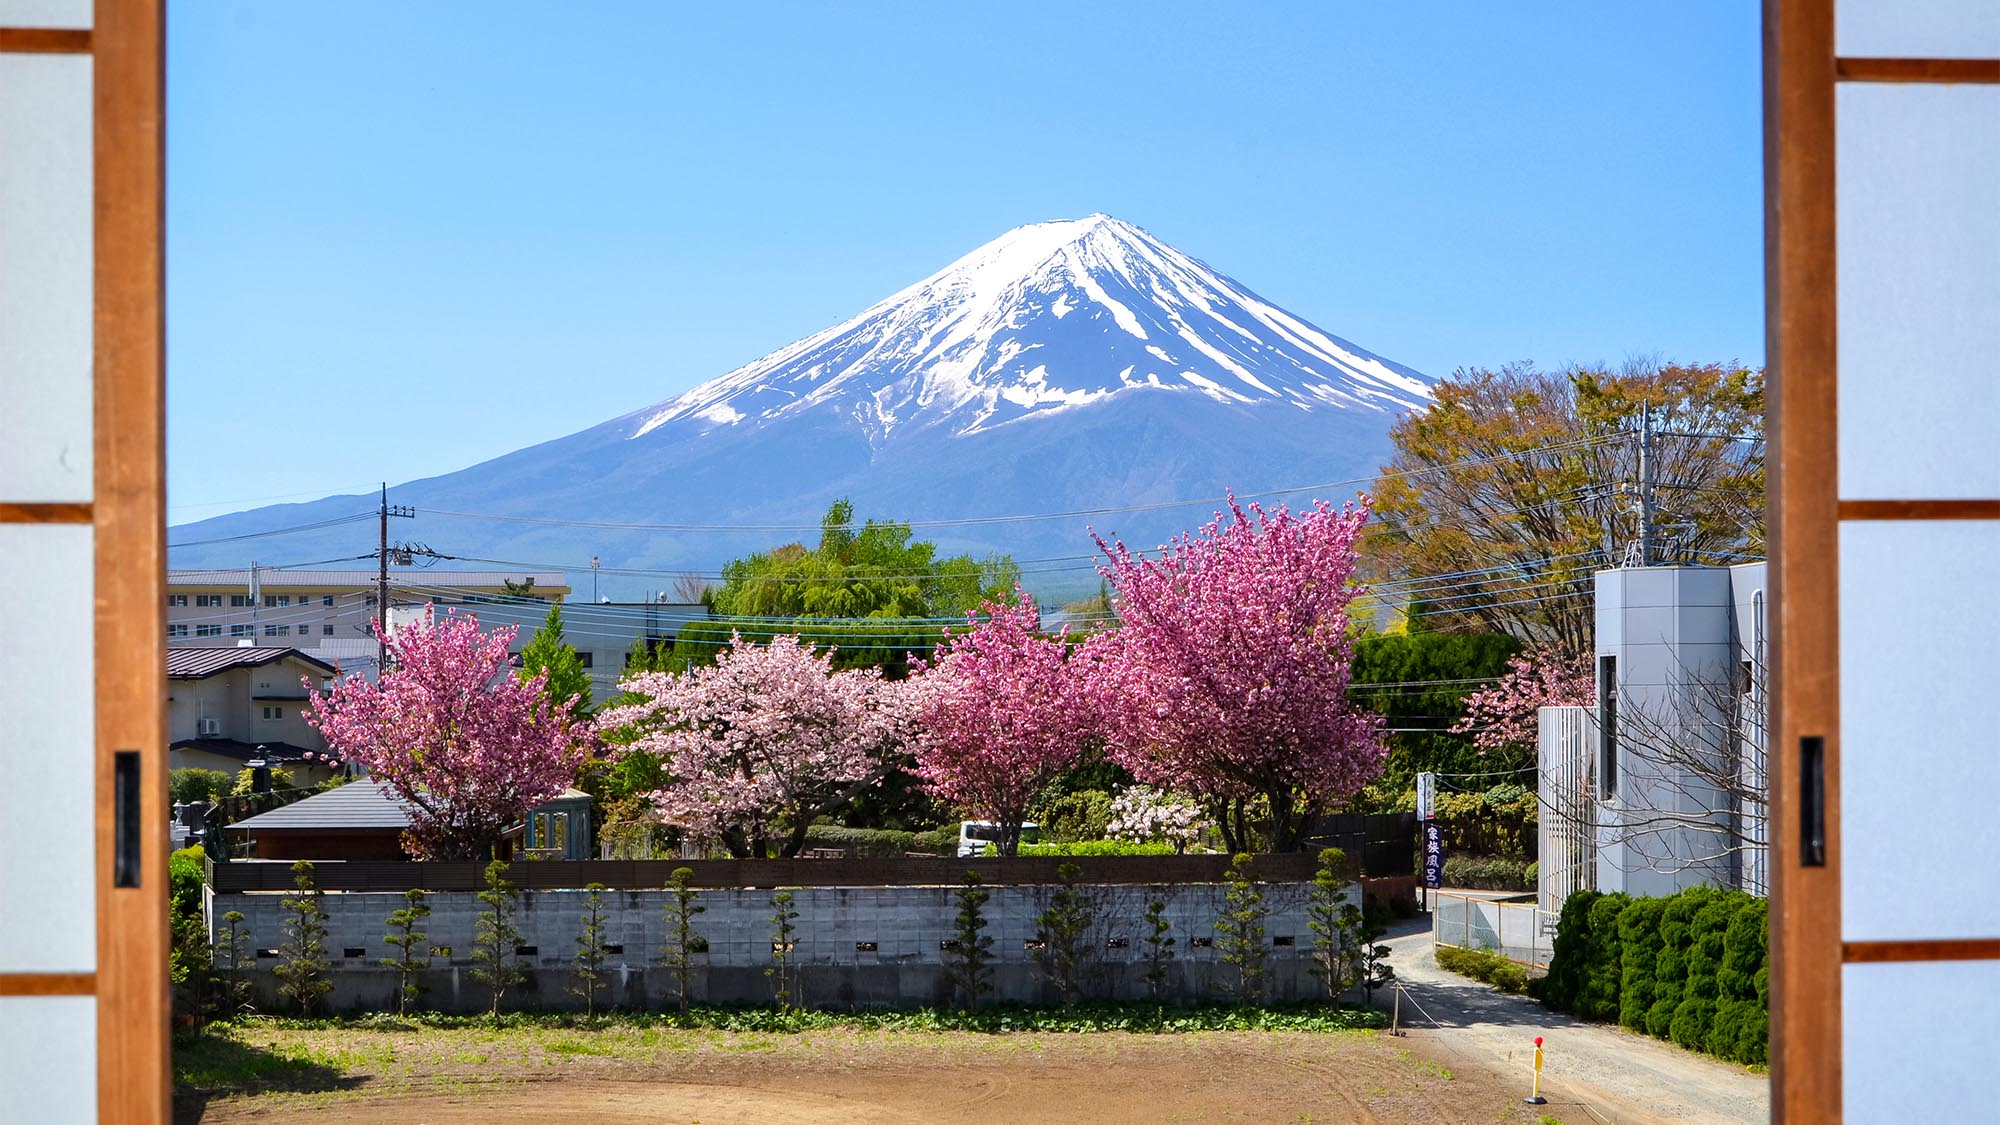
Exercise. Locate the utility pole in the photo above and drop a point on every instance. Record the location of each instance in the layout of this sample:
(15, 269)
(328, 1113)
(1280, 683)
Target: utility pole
(593, 579)
(1639, 552)
(382, 578)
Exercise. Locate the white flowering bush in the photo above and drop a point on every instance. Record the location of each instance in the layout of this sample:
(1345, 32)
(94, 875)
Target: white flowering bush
(1143, 814)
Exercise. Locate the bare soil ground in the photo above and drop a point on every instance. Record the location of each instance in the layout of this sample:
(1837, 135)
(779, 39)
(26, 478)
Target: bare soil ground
(620, 1075)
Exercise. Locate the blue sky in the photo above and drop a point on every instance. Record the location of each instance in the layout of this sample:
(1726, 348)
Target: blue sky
(404, 238)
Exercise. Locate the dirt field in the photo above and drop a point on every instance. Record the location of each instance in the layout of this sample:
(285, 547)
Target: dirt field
(623, 1075)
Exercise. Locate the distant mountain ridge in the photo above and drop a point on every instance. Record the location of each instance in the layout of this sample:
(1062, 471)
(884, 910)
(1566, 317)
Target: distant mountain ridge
(1070, 365)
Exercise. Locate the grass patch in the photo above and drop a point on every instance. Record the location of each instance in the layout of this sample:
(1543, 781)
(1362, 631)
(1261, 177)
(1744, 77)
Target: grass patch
(1480, 965)
(217, 1060)
(997, 1018)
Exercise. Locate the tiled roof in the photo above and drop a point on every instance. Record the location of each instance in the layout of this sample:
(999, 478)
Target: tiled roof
(245, 751)
(200, 663)
(359, 579)
(366, 803)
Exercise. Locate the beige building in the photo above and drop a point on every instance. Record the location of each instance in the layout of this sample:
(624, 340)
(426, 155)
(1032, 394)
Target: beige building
(229, 706)
(327, 614)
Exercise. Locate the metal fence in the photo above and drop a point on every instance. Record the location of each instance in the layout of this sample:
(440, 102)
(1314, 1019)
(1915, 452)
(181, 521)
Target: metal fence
(1518, 931)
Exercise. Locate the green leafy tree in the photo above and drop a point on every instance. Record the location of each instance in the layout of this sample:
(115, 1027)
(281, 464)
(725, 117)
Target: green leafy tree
(783, 947)
(683, 942)
(878, 570)
(1512, 481)
(1157, 935)
(190, 968)
(968, 962)
(587, 967)
(495, 936)
(1239, 932)
(1371, 956)
(411, 945)
(1418, 682)
(186, 786)
(548, 652)
(1065, 952)
(302, 963)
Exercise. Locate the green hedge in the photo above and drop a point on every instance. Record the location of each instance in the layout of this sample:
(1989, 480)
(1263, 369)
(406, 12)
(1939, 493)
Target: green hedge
(1487, 873)
(1691, 967)
(875, 843)
(1478, 964)
(1099, 847)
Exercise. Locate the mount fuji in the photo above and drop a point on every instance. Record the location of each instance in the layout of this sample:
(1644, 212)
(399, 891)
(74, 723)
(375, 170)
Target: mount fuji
(1064, 367)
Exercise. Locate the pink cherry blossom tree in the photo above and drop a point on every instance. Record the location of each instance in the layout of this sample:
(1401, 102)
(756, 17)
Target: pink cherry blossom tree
(1228, 678)
(763, 742)
(1504, 715)
(1004, 710)
(468, 746)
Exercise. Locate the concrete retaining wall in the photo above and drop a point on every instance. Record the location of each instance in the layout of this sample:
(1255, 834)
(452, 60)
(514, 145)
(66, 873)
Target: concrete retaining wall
(836, 926)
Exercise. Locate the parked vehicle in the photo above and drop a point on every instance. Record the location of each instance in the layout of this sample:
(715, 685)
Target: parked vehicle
(979, 837)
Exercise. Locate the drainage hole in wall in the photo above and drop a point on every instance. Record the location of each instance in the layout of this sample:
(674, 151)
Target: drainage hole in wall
(1202, 942)
(1116, 943)
(353, 951)
(864, 947)
(1284, 941)
(525, 951)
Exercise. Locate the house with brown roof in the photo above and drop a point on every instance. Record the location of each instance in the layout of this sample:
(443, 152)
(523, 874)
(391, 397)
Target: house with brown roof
(230, 706)
(364, 820)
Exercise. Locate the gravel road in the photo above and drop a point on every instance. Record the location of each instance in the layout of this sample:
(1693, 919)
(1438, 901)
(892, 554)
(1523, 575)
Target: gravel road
(1589, 1072)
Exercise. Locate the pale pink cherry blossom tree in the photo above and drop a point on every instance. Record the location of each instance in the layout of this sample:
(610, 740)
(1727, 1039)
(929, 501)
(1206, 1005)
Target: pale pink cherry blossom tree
(466, 745)
(1004, 711)
(763, 742)
(1143, 815)
(1228, 677)
(1504, 715)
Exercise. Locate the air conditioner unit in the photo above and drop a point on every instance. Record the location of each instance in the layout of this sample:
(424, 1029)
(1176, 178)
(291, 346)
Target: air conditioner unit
(208, 728)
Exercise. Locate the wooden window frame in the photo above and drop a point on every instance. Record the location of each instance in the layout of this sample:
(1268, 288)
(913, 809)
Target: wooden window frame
(127, 516)
(1804, 514)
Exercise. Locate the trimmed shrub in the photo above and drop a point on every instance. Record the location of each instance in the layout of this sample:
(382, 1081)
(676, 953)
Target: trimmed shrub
(1639, 938)
(1100, 847)
(1704, 961)
(1603, 967)
(1670, 964)
(1741, 1030)
(1564, 983)
(864, 843)
(1480, 965)
(1534, 875)
(1487, 873)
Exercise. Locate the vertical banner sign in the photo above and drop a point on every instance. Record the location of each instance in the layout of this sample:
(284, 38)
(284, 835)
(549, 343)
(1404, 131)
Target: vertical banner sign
(1433, 854)
(1427, 788)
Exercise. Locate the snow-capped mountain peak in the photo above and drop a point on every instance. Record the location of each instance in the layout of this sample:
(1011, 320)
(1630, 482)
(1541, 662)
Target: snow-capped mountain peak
(1048, 317)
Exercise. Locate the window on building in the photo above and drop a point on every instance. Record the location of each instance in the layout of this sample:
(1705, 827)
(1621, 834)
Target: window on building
(240, 631)
(584, 658)
(277, 630)
(208, 630)
(326, 630)
(1607, 724)
(371, 601)
(177, 601)
(326, 599)
(177, 630)
(274, 713)
(240, 600)
(208, 601)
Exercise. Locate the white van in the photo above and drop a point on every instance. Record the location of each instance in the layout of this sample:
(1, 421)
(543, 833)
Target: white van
(979, 837)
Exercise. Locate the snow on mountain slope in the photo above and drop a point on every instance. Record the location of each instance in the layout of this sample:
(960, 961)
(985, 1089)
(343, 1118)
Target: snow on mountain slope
(1048, 317)
(1064, 367)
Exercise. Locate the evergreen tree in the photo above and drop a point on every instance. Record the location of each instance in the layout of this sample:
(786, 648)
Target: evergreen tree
(234, 949)
(1326, 906)
(1065, 951)
(302, 963)
(682, 941)
(411, 960)
(548, 652)
(968, 962)
(495, 936)
(782, 948)
(1159, 952)
(588, 965)
(1240, 931)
